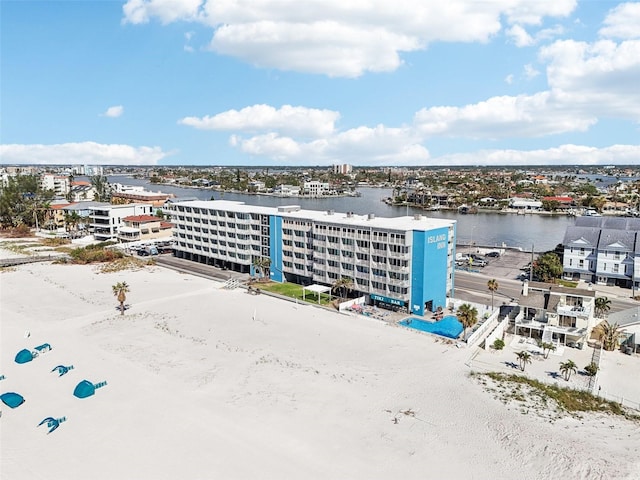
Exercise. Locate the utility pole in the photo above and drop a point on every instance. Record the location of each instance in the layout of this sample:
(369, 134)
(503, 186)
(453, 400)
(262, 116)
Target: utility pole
(531, 267)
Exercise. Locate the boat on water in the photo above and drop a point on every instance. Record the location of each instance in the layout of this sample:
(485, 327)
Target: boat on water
(467, 209)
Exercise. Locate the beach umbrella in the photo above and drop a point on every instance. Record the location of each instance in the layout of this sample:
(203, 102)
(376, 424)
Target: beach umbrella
(52, 423)
(61, 369)
(24, 356)
(12, 399)
(85, 388)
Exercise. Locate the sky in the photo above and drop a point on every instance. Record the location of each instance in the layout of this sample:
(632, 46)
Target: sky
(320, 82)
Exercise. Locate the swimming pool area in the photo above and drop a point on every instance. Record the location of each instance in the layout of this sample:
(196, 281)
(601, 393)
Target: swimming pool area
(449, 326)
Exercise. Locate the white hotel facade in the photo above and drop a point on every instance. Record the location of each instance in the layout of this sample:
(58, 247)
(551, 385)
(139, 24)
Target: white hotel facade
(407, 262)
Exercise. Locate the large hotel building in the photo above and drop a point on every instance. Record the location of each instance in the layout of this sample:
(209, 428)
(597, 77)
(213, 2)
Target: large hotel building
(407, 262)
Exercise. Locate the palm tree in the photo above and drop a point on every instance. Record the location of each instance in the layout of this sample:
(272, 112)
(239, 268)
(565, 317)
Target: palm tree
(603, 305)
(467, 315)
(567, 368)
(608, 334)
(547, 348)
(524, 357)
(492, 285)
(262, 265)
(344, 285)
(120, 291)
(100, 186)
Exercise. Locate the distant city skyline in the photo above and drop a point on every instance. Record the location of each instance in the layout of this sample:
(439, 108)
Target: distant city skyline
(281, 83)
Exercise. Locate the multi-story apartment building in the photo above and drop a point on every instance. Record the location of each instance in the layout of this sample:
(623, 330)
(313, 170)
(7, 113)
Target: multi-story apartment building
(604, 250)
(58, 183)
(343, 169)
(315, 188)
(105, 220)
(406, 262)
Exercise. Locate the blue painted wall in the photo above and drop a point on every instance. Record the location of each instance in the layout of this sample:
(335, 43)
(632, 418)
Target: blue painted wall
(429, 269)
(275, 244)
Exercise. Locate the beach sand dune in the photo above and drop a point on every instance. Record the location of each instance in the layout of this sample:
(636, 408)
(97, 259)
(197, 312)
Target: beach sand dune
(209, 383)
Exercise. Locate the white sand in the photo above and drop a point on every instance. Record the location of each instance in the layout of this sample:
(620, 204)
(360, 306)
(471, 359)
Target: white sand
(198, 389)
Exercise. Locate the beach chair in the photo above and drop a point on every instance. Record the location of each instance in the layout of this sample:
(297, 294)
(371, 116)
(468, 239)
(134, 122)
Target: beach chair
(62, 370)
(52, 423)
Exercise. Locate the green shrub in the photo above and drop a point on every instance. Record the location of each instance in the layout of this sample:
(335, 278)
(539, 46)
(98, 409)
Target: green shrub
(591, 369)
(498, 344)
(95, 254)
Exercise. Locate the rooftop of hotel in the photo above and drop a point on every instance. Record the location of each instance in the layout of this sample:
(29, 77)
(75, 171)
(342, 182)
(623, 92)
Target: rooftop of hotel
(415, 222)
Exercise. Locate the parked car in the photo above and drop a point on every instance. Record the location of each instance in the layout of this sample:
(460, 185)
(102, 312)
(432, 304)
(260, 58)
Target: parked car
(493, 254)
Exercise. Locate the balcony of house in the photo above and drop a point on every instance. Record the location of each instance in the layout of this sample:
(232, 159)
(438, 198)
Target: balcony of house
(100, 214)
(531, 319)
(574, 310)
(128, 234)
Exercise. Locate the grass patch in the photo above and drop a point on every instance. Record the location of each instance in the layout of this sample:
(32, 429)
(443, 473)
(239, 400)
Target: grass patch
(567, 399)
(567, 283)
(293, 290)
(125, 263)
(95, 254)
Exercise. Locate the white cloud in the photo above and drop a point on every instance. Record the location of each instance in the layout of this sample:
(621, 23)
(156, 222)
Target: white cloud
(530, 72)
(600, 78)
(167, 11)
(362, 145)
(506, 116)
(80, 153)
(562, 155)
(623, 22)
(340, 38)
(113, 112)
(287, 120)
(509, 79)
(520, 36)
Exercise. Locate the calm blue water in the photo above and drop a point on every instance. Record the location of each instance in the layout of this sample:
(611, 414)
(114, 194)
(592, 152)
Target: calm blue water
(485, 229)
(449, 326)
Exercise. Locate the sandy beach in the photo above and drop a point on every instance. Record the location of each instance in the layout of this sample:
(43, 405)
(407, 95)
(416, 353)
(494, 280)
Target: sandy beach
(204, 383)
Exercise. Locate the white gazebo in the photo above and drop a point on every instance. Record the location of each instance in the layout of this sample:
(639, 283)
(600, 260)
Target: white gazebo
(317, 289)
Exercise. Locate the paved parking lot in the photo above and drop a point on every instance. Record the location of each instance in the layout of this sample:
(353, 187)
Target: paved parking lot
(508, 265)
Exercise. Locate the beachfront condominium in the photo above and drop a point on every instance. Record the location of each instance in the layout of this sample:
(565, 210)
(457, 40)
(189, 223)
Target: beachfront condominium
(405, 262)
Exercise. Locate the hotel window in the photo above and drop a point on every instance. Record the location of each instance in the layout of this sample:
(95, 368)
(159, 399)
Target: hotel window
(615, 268)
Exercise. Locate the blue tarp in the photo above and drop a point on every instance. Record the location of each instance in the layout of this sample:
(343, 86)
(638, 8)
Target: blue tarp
(12, 399)
(24, 356)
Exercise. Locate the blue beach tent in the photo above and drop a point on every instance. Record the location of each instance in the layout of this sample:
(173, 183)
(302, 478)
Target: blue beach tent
(12, 399)
(24, 356)
(85, 388)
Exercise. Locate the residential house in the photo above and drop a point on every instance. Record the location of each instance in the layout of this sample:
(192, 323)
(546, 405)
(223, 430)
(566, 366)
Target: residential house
(143, 227)
(106, 220)
(555, 314)
(604, 250)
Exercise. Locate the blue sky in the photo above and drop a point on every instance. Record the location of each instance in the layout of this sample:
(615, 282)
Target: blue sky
(283, 82)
